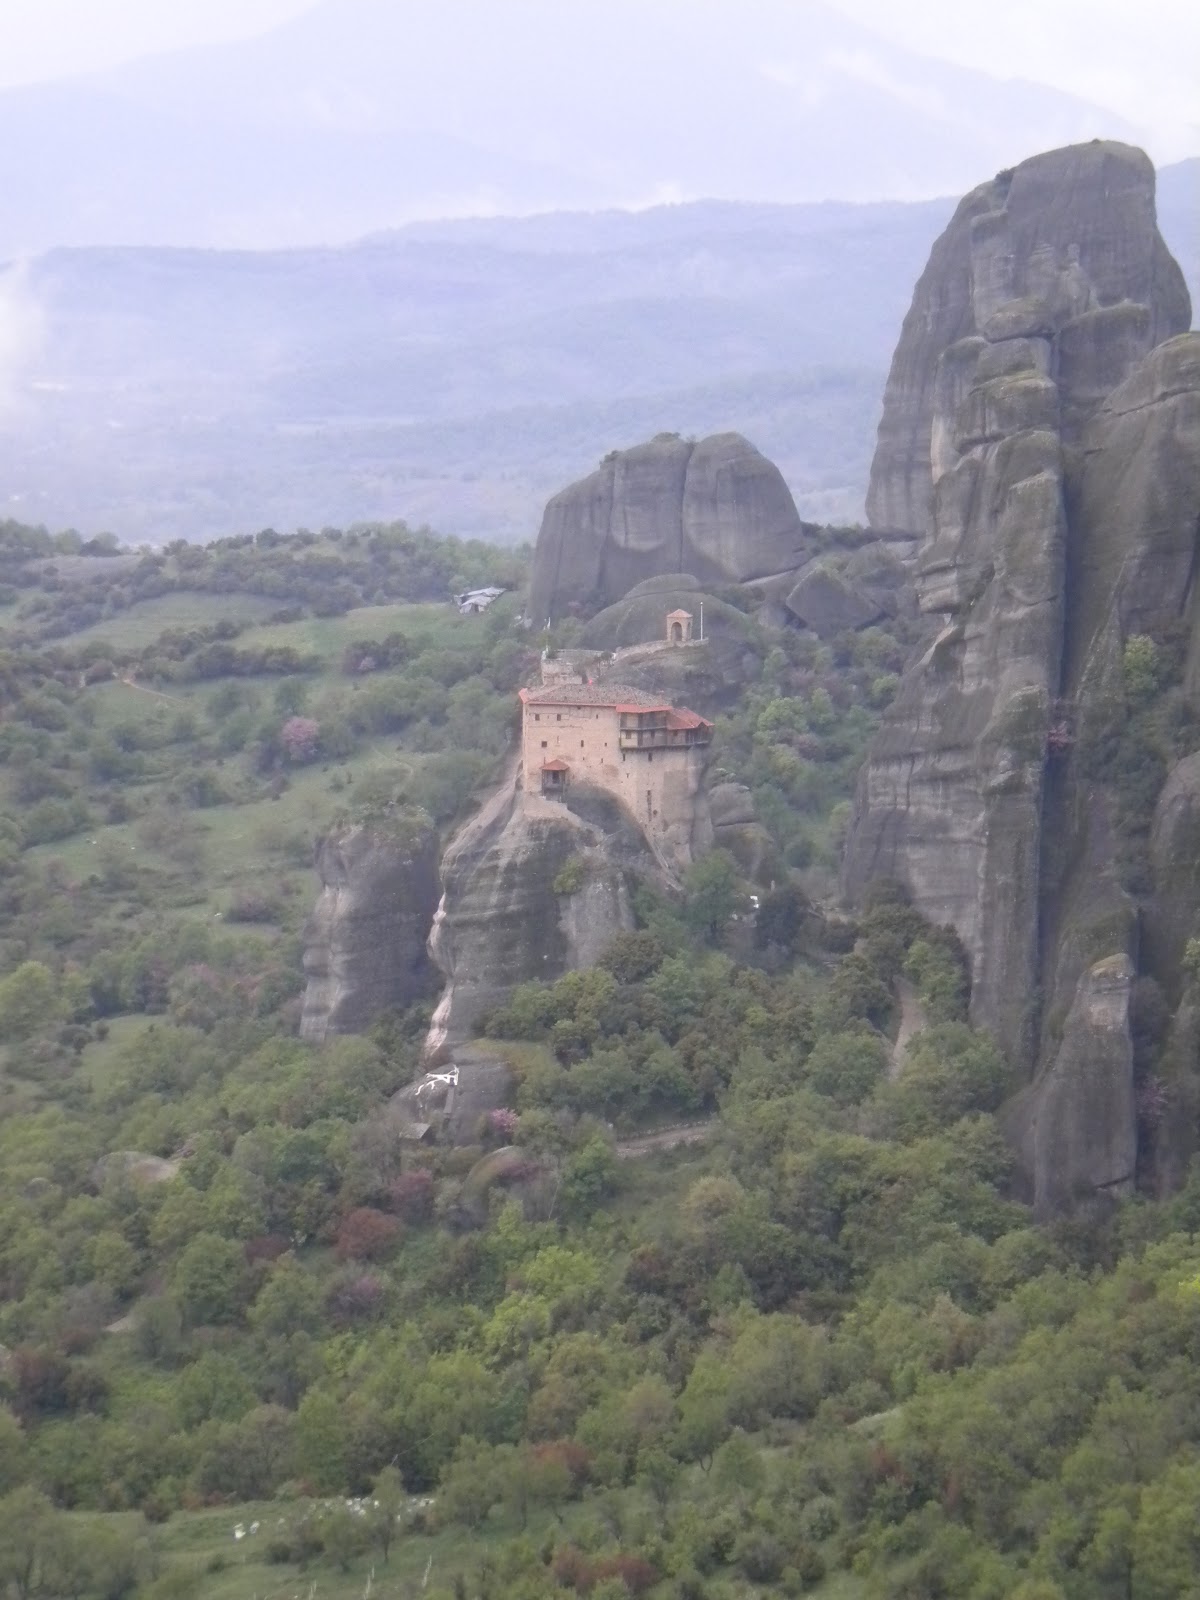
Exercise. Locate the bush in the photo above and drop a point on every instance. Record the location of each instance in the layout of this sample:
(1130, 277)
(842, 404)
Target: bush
(366, 1235)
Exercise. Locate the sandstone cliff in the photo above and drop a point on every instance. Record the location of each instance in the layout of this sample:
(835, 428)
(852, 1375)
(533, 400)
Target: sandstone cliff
(1064, 251)
(1041, 432)
(365, 943)
(716, 509)
(530, 889)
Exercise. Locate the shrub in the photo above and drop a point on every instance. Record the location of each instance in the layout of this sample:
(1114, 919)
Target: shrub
(300, 738)
(366, 1235)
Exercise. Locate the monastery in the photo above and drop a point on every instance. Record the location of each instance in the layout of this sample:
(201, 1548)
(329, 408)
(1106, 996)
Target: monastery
(645, 753)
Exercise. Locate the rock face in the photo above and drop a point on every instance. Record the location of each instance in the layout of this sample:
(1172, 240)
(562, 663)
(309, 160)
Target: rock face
(824, 601)
(365, 944)
(716, 509)
(1062, 258)
(1041, 433)
(1175, 858)
(454, 1096)
(530, 890)
(1076, 1128)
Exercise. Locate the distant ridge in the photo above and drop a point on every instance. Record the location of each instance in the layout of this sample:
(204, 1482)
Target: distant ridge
(364, 114)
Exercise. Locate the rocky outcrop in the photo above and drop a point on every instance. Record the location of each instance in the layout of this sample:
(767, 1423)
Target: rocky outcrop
(1060, 263)
(365, 943)
(531, 889)
(822, 599)
(1076, 1129)
(717, 509)
(638, 617)
(1041, 431)
(454, 1096)
(733, 825)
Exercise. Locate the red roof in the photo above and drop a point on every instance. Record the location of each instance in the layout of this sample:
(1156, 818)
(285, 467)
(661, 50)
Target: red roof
(555, 766)
(638, 711)
(683, 718)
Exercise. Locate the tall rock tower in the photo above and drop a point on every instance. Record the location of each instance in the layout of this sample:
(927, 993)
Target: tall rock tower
(1047, 303)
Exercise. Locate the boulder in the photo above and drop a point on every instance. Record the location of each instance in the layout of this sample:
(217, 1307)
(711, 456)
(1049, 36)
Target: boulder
(717, 509)
(365, 943)
(823, 600)
(733, 825)
(454, 1095)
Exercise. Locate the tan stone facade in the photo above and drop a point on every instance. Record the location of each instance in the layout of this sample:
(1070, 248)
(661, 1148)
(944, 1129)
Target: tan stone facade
(645, 753)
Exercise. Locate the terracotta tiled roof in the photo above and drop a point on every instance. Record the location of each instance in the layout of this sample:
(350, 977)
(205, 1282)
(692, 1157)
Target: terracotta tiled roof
(555, 766)
(679, 616)
(681, 717)
(591, 694)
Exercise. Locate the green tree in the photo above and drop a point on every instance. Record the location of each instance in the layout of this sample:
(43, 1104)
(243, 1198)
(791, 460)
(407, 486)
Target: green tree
(321, 1439)
(29, 1533)
(388, 1502)
(28, 1001)
(1140, 668)
(208, 1280)
(13, 1451)
(469, 1487)
(344, 1535)
(711, 888)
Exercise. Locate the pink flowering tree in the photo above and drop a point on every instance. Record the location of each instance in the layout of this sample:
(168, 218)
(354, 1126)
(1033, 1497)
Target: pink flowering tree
(503, 1123)
(300, 738)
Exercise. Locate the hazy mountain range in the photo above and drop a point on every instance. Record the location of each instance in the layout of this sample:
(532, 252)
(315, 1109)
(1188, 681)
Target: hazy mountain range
(159, 382)
(363, 114)
(459, 373)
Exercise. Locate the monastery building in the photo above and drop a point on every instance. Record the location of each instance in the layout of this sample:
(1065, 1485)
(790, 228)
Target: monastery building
(608, 736)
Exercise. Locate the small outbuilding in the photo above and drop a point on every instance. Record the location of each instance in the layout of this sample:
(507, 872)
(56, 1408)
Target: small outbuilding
(679, 627)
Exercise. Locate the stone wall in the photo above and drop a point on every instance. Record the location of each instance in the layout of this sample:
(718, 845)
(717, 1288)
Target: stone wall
(658, 788)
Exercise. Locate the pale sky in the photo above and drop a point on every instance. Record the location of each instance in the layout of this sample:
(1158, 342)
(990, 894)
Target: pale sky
(1141, 58)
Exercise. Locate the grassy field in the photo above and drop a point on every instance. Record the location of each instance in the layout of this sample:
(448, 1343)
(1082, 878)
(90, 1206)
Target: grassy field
(141, 624)
(433, 623)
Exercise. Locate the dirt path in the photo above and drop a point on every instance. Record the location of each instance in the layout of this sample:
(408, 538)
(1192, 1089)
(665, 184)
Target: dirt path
(665, 1139)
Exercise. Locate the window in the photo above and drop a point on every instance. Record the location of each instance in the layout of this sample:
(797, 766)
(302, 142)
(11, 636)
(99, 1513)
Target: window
(543, 744)
(537, 716)
(581, 744)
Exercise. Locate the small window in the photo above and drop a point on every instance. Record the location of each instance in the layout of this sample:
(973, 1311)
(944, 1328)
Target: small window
(537, 716)
(581, 744)
(650, 755)
(543, 744)
(558, 716)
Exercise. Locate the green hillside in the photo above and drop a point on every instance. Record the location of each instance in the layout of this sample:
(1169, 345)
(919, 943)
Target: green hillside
(253, 1345)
